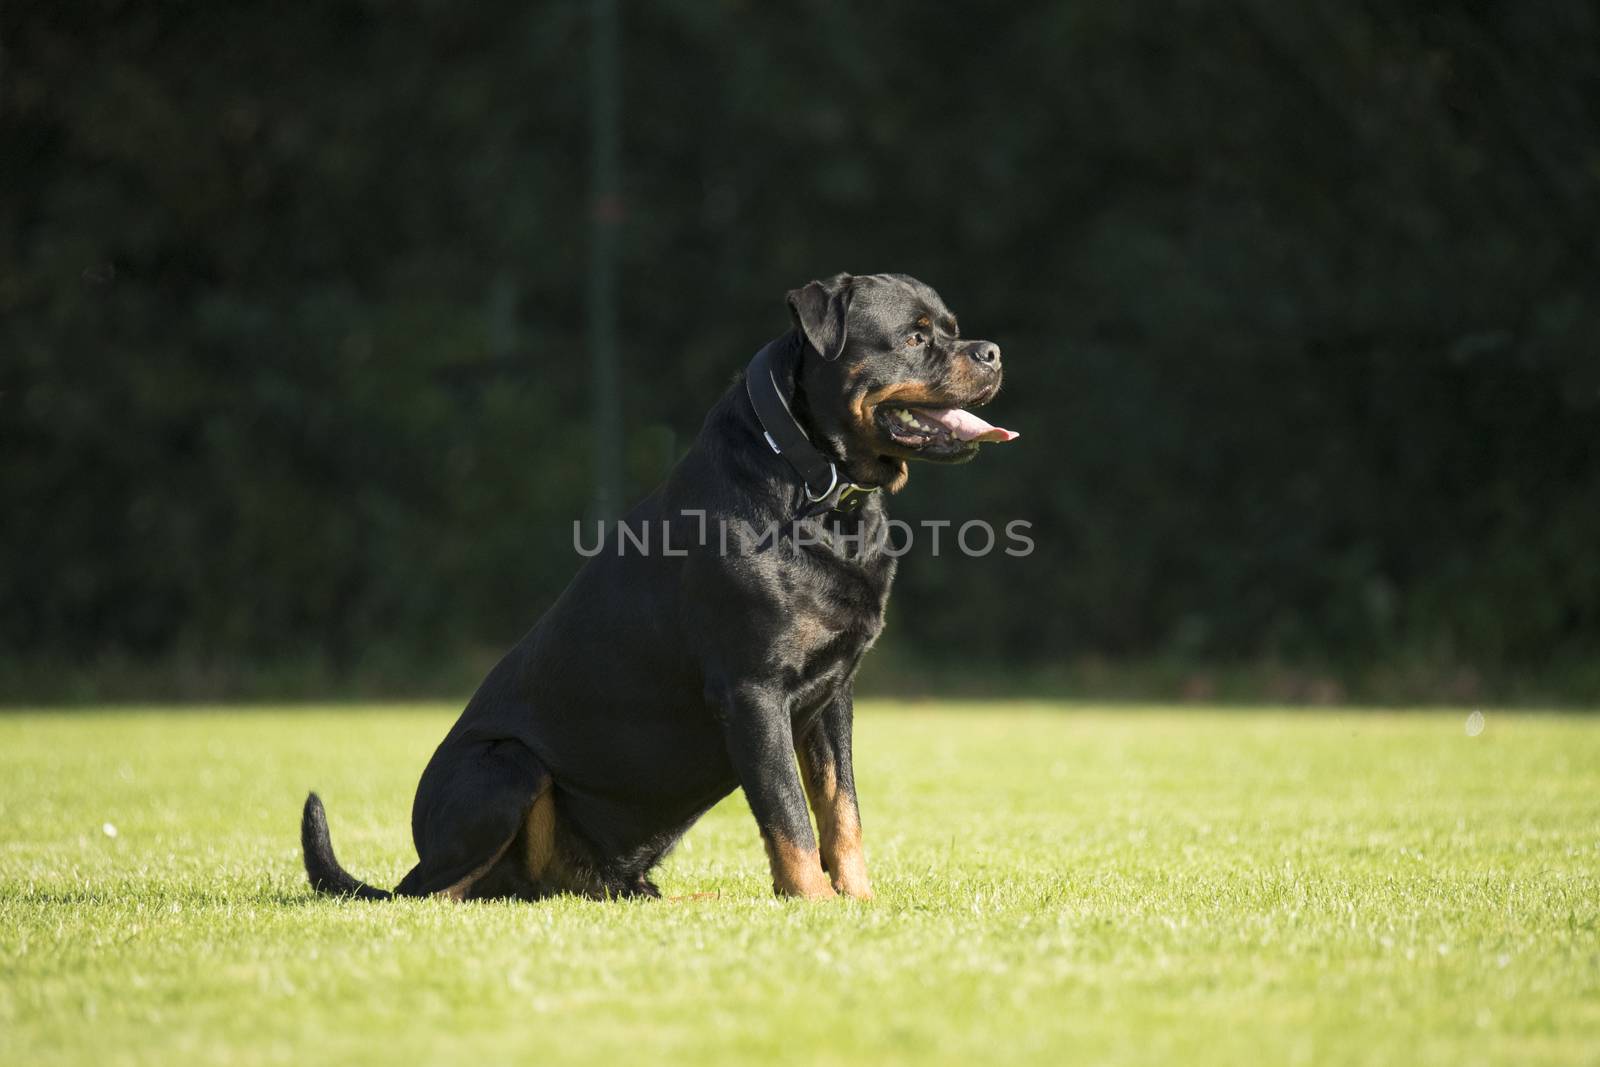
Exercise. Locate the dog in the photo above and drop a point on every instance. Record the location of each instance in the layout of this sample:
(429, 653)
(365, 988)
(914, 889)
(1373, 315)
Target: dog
(658, 682)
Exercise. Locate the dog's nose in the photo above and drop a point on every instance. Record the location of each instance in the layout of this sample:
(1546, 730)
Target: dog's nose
(988, 353)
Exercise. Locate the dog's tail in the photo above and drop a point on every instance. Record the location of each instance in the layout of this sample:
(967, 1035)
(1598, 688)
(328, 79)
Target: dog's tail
(322, 866)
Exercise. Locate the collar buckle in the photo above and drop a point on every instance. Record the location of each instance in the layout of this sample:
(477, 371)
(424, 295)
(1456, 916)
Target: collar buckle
(852, 496)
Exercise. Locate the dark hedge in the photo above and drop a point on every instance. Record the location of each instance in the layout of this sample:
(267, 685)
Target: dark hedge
(1300, 306)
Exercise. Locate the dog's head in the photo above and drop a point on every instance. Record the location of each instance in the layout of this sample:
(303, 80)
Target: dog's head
(887, 377)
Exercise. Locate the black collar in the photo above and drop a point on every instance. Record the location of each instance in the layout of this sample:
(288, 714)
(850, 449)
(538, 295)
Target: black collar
(825, 489)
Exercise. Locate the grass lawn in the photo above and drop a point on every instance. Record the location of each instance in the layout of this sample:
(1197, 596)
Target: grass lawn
(1055, 884)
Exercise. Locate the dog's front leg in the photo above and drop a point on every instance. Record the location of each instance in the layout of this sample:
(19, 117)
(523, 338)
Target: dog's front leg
(761, 744)
(830, 780)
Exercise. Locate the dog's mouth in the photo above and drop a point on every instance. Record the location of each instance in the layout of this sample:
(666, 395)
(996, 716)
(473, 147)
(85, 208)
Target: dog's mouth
(938, 429)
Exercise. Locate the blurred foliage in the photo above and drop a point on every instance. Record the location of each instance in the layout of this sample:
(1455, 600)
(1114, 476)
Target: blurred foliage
(1299, 305)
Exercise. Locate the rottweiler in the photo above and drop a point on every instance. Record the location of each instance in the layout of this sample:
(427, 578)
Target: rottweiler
(712, 642)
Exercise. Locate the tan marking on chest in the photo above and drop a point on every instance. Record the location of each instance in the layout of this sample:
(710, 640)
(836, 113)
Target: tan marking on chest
(809, 632)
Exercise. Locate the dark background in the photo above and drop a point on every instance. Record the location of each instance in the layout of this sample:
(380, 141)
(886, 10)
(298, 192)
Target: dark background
(1300, 306)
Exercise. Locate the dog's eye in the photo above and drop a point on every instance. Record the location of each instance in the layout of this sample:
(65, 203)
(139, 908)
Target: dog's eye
(916, 340)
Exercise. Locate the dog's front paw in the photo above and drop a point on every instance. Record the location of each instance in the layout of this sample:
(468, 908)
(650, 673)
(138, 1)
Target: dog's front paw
(823, 891)
(797, 872)
(856, 890)
(849, 870)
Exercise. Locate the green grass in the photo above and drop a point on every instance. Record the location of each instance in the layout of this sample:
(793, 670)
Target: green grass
(1054, 885)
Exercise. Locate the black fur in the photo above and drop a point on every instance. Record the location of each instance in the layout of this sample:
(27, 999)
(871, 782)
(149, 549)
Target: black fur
(657, 683)
(322, 866)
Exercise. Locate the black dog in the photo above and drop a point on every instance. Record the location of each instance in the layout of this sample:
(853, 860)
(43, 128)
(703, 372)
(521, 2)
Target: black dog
(672, 671)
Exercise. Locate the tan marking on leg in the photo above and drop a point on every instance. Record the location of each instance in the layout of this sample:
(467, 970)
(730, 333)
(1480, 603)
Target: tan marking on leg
(846, 858)
(545, 861)
(459, 891)
(796, 872)
(838, 831)
(539, 836)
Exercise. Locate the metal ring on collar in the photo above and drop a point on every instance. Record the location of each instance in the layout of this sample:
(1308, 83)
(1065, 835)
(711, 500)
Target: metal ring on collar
(833, 483)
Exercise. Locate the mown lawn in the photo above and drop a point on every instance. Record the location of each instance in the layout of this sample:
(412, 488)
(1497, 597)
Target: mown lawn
(1055, 884)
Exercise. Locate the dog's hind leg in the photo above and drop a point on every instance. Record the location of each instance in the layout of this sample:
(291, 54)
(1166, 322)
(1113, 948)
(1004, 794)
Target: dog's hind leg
(525, 869)
(472, 804)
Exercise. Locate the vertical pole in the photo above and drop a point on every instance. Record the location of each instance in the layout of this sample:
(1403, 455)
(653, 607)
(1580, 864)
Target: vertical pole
(605, 217)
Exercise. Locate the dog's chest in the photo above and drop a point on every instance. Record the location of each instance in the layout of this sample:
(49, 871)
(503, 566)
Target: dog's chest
(818, 638)
(838, 612)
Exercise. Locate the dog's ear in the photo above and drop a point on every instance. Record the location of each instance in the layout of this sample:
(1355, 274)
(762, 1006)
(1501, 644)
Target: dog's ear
(819, 309)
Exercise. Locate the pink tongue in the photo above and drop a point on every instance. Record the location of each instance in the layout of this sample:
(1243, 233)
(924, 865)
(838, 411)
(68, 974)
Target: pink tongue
(966, 426)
